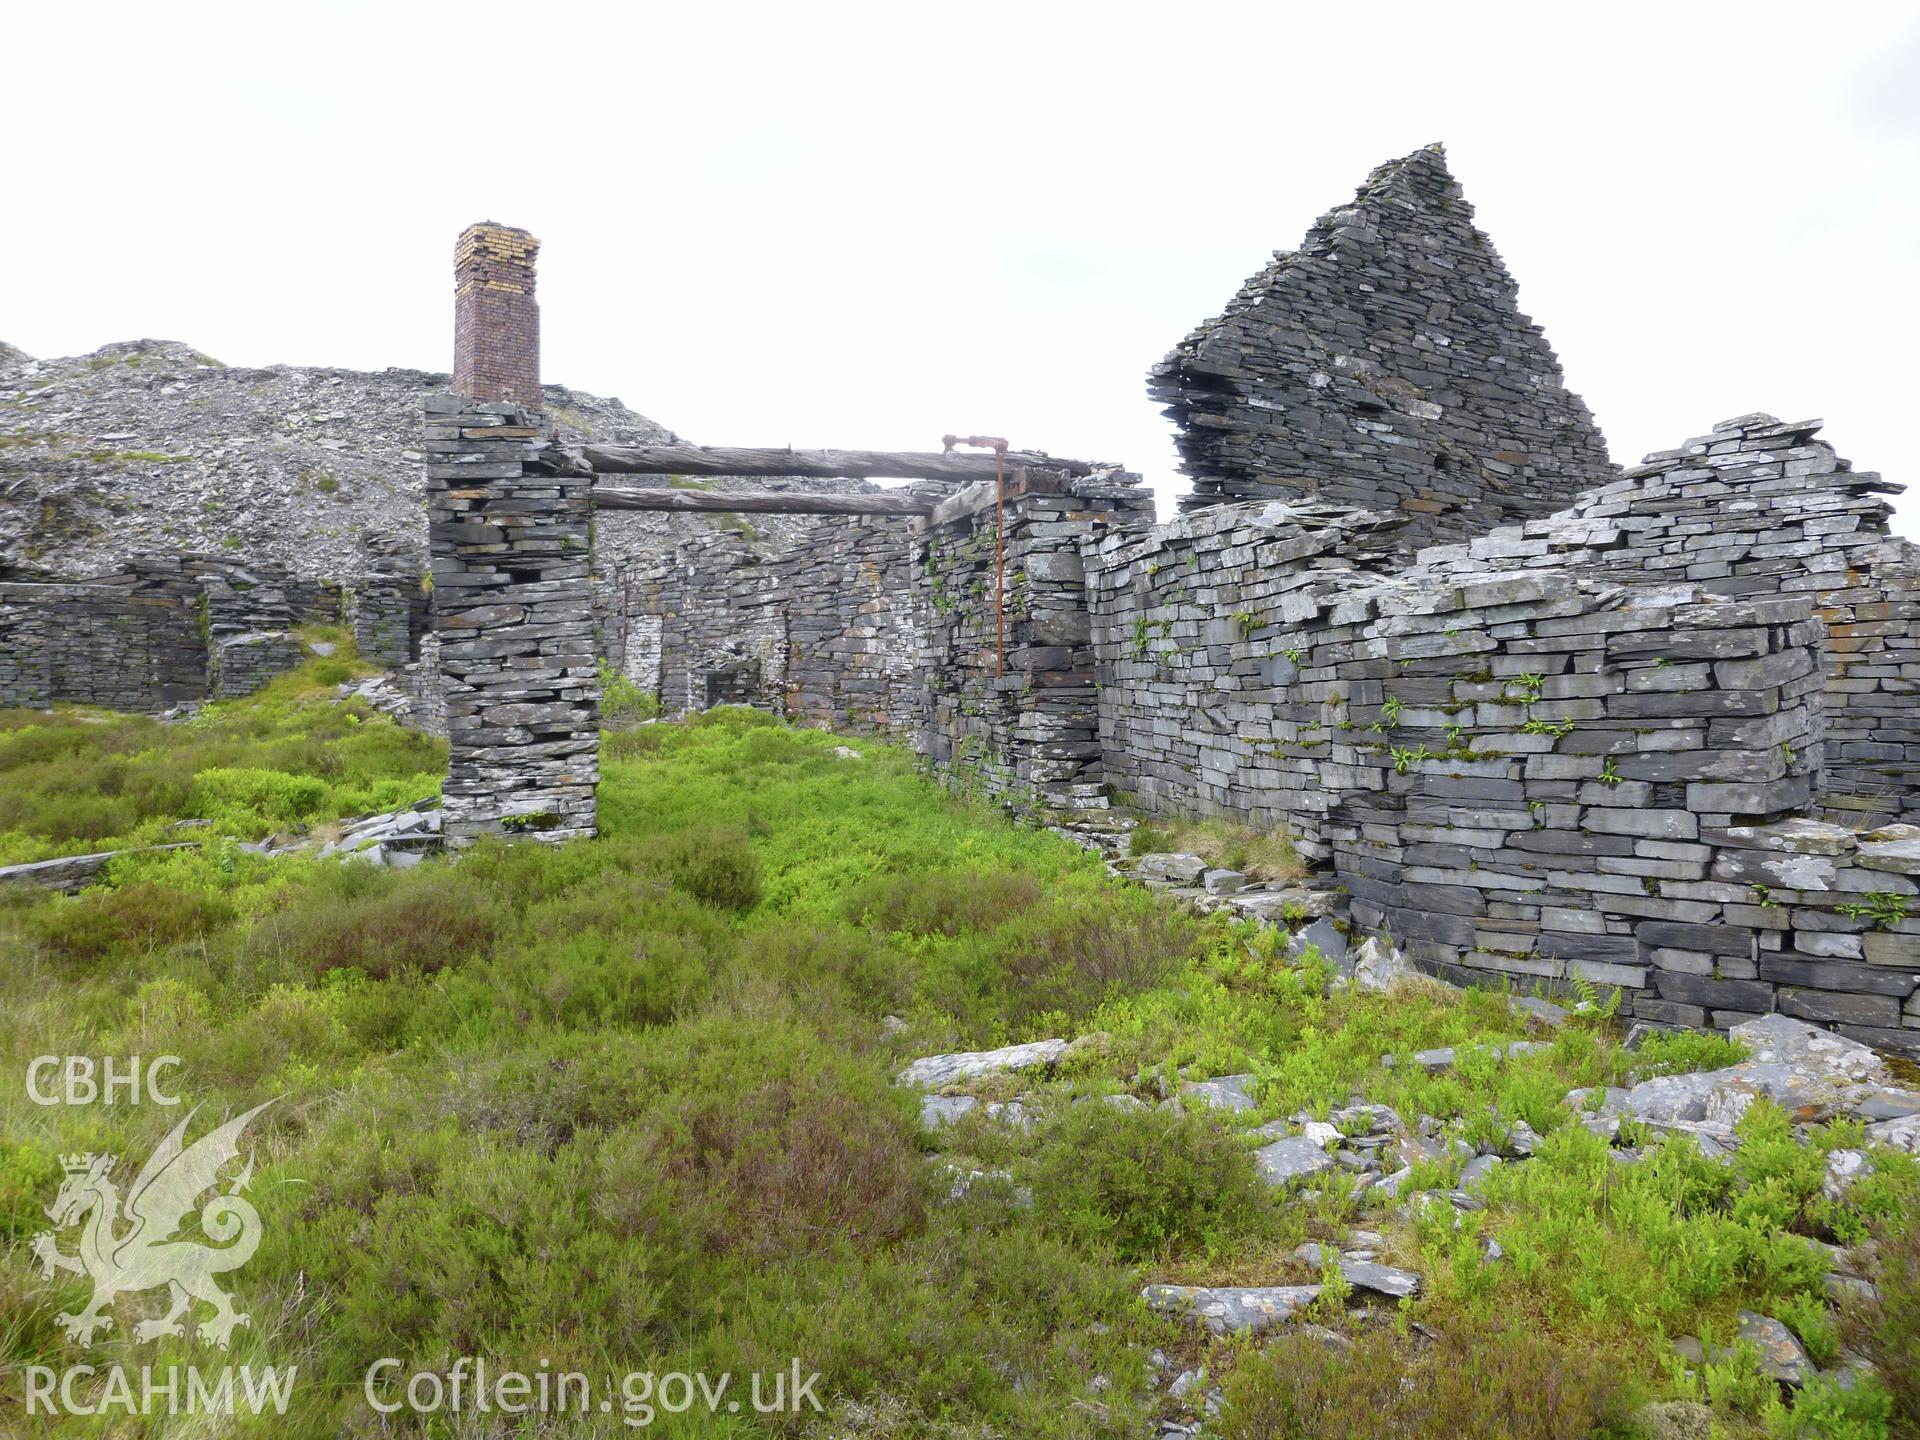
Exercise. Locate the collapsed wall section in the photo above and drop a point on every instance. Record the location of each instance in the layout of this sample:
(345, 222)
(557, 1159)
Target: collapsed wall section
(1383, 365)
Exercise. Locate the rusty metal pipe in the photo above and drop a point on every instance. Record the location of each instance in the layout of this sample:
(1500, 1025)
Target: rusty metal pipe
(999, 447)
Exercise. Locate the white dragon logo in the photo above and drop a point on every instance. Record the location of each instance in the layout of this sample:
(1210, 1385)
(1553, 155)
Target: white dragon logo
(150, 1253)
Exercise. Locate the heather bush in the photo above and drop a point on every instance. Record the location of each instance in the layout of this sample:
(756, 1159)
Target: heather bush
(1512, 1382)
(1148, 1182)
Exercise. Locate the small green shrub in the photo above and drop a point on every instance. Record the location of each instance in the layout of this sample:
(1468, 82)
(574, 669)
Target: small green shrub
(378, 923)
(1827, 1409)
(622, 702)
(1889, 1332)
(947, 903)
(1680, 1052)
(1148, 1182)
(715, 865)
(1150, 840)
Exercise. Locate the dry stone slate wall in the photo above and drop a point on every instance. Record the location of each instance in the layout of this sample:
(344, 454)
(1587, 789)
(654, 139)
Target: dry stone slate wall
(24, 678)
(1519, 763)
(167, 629)
(390, 611)
(1032, 732)
(822, 632)
(1760, 507)
(1384, 365)
(512, 610)
(721, 640)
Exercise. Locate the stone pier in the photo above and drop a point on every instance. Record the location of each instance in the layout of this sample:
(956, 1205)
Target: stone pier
(509, 531)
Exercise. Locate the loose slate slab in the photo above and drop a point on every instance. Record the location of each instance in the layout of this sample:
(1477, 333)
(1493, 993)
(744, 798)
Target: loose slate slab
(1779, 1039)
(1901, 857)
(1233, 1093)
(1250, 1311)
(1285, 1161)
(933, 1071)
(1781, 1355)
(938, 1110)
(1720, 1097)
(1901, 1134)
(1447, 1056)
(1173, 868)
(75, 872)
(1361, 1272)
(1545, 1011)
(1381, 1279)
(1322, 936)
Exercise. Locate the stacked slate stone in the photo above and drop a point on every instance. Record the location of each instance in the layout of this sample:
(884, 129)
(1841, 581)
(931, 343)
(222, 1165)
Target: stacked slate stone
(852, 649)
(163, 627)
(1532, 773)
(821, 633)
(131, 641)
(25, 682)
(513, 612)
(390, 611)
(629, 611)
(425, 695)
(1384, 365)
(315, 602)
(721, 640)
(169, 629)
(1759, 507)
(1550, 759)
(1030, 734)
(1197, 627)
(248, 624)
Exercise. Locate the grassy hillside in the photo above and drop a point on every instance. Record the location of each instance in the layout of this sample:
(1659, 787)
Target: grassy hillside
(626, 1106)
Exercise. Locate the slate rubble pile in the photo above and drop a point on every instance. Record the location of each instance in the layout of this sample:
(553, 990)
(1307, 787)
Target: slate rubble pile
(149, 452)
(150, 444)
(1369, 1150)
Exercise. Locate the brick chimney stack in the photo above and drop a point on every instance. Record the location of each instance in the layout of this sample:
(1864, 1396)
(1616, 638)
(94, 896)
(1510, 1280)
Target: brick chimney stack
(496, 320)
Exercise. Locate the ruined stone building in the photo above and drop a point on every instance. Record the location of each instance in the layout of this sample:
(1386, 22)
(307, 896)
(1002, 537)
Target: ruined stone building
(1537, 717)
(1540, 718)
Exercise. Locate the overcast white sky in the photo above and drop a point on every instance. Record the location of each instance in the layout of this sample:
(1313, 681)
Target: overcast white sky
(863, 226)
